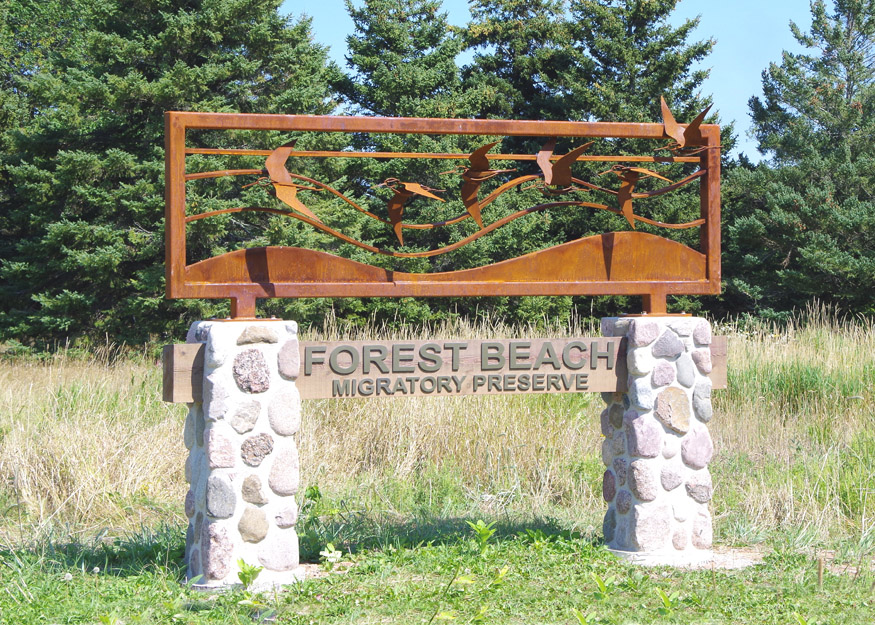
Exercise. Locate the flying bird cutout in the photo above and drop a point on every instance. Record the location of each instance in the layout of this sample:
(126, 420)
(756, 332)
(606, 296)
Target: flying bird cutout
(403, 192)
(558, 174)
(474, 176)
(629, 177)
(286, 190)
(673, 130)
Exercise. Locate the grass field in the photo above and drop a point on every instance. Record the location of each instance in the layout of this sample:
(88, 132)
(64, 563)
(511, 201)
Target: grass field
(91, 476)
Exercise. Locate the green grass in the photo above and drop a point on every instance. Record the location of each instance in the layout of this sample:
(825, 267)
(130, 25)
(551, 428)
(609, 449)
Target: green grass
(430, 571)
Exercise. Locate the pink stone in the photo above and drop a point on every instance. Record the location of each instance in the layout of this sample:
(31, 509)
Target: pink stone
(609, 486)
(643, 332)
(287, 517)
(289, 360)
(642, 481)
(251, 372)
(280, 551)
(702, 358)
(189, 504)
(220, 451)
(702, 333)
(620, 470)
(699, 486)
(255, 448)
(651, 527)
(679, 539)
(607, 428)
(216, 549)
(697, 448)
(663, 374)
(285, 477)
(643, 434)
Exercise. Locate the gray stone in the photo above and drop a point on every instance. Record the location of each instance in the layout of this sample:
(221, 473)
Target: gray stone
(642, 481)
(697, 448)
(702, 358)
(194, 564)
(215, 398)
(673, 409)
(703, 533)
(618, 444)
(699, 487)
(679, 539)
(188, 468)
(200, 424)
(189, 540)
(641, 393)
(221, 500)
(615, 415)
(608, 398)
(643, 435)
(253, 525)
(620, 469)
(668, 346)
(189, 504)
(284, 477)
(257, 334)
(650, 527)
(607, 428)
(198, 524)
(284, 412)
(220, 451)
(609, 485)
(289, 360)
(686, 370)
(702, 333)
(216, 551)
(607, 326)
(622, 325)
(245, 416)
(255, 448)
(663, 374)
(188, 428)
(609, 525)
(280, 551)
(287, 517)
(643, 332)
(215, 354)
(702, 401)
(670, 477)
(624, 501)
(251, 491)
(250, 371)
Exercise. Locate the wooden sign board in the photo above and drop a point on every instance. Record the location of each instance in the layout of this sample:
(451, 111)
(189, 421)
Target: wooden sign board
(363, 369)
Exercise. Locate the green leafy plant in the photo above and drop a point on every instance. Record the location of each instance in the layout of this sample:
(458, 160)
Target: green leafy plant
(605, 586)
(329, 556)
(248, 573)
(482, 533)
(582, 619)
(669, 602)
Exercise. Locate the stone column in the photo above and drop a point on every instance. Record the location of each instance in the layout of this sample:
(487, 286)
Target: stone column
(657, 446)
(242, 467)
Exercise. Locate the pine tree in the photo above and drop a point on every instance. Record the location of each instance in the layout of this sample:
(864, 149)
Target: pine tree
(82, 186)
(802, 226)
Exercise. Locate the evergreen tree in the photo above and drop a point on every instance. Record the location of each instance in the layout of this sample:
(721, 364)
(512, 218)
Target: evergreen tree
(803, 227)
(82, 186)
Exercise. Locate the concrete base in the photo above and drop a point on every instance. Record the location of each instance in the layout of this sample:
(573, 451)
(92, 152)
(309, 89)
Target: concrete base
(689, 558)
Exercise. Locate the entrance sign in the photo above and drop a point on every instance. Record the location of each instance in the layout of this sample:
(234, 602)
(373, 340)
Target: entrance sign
(622, 262)
(454, 367)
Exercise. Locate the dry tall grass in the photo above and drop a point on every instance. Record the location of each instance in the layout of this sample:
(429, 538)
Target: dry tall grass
(88, 444)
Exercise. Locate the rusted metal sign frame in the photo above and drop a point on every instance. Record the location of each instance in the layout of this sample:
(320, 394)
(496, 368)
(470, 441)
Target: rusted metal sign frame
(694, 272)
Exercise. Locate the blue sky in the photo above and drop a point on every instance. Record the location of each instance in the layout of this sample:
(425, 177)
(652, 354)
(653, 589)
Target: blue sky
(750, 34)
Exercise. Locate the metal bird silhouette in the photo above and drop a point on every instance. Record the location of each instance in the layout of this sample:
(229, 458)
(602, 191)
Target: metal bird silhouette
(629, 177)
(474, 176)
(558, 174)
(674, 130)
(286, 190)
(395, 205)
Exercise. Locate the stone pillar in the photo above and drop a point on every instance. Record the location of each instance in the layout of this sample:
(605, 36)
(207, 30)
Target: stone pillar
(657, 446)
(242, 467)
